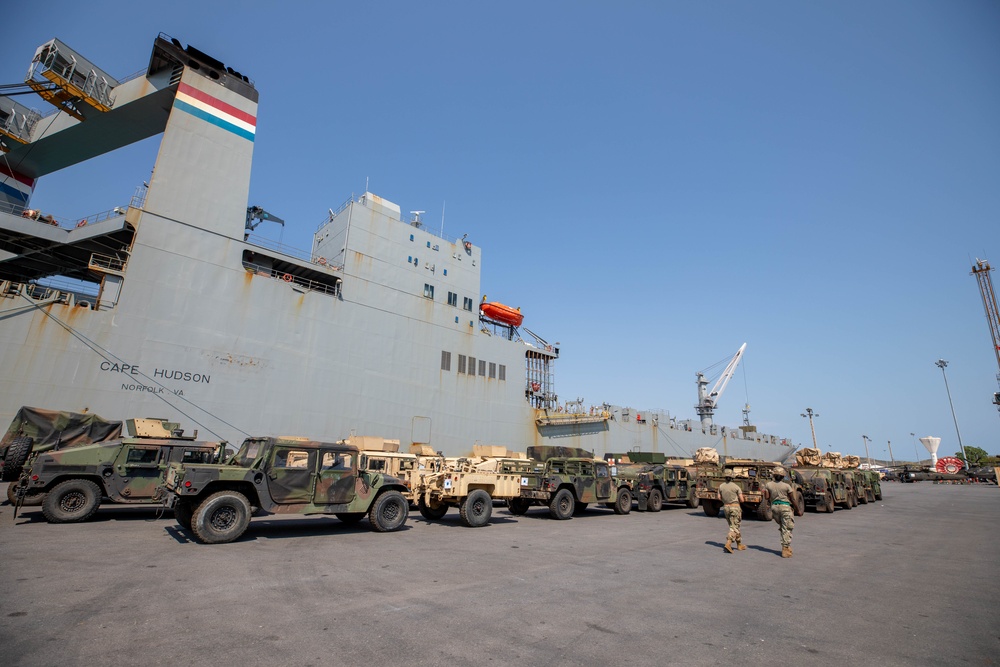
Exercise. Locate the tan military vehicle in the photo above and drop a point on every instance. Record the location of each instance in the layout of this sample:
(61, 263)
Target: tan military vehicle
(750, 475)
(381, 455)
(472, 484)
(825, 483)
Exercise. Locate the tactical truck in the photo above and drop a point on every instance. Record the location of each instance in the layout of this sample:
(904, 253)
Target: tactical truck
(70, 483)
(282, 476)
(472, 484)
(567, 480)
(655, 484)
(825, 488)
(751, 476)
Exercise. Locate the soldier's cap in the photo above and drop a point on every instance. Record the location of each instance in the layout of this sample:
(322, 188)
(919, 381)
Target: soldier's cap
(778, 472)
(729, 473)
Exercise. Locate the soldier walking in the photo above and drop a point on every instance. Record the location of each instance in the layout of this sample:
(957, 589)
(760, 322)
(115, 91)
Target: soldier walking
(732, 495)
(779, 494)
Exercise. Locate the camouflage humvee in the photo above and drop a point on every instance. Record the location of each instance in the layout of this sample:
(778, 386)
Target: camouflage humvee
(825, 488)
(36, 430)
(866, 485)
(282, 476)
(655, 484)
(70, 483)
(568, 479)
(751, 476)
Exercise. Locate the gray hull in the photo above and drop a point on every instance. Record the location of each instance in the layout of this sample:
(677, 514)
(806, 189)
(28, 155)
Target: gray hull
(374, 330)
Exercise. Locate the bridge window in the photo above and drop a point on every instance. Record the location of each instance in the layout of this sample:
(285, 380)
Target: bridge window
(445, 361)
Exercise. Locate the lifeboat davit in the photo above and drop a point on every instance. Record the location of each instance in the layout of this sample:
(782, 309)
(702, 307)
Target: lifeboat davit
(501, 313)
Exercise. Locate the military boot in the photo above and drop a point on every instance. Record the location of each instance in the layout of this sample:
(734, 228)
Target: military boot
(741, 547)
(729, 546)
(786, 552)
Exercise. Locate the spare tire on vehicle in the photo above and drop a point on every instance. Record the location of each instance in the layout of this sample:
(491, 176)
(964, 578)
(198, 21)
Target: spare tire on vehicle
(15, 458)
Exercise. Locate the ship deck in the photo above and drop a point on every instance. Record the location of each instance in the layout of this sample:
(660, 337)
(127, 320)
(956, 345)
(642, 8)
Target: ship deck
(879, 584)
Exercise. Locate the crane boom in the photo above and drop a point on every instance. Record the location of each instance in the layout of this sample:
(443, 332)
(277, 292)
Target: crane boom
(981, 270)
(708, 400)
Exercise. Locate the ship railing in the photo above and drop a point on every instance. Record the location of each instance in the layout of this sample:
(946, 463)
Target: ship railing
(56, 290)
(295, 281)
(46, 219)
(134, 75)
(413, 220)
(106, 263)
(262, 242)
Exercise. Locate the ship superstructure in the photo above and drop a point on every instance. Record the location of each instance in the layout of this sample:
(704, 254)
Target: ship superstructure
(175, 307)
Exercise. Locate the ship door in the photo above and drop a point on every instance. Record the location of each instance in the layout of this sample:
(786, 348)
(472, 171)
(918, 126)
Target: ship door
(603, 476)
(291, 475)
(336, 478)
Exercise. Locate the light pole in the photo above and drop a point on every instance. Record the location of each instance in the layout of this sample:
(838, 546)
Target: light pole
(942, 364)
(865, 439)
(915, 450)
(809, 413)
(891, 457)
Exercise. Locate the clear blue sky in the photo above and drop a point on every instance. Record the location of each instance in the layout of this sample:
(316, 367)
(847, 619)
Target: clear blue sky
(653, 183)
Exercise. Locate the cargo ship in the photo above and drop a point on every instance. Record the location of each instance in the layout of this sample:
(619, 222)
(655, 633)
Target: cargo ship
(172, 305)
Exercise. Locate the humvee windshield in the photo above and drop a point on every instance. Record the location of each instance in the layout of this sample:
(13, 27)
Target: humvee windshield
(247, 453)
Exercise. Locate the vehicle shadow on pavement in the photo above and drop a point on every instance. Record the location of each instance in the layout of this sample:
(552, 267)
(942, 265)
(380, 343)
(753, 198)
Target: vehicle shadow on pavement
(454, 521)
(103, 514)
(276, 530)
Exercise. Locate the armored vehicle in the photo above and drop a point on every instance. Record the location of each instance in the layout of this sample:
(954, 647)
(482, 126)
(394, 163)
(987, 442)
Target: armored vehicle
(567, 480)
(825, 488)
(864, 487)
(656, 484)
(282, 476)
(36, 430)
(751, 476)
(471, 485)
(70, 483)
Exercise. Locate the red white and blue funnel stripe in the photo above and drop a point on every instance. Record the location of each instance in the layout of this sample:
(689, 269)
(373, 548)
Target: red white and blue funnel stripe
(14, 187)
(202, 105)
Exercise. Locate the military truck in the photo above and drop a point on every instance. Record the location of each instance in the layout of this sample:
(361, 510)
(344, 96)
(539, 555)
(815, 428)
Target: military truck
(654, 484)
(36, 430)
(379, 455)
(751, 476)
(472, 484)
(71, 483)
(282, 476)
(567, 480)
(825, 488)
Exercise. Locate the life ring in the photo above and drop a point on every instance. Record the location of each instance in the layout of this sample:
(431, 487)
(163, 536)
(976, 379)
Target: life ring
(535, 386)
(322, 261)
(287, 277)
(468, 245)
(82, 223)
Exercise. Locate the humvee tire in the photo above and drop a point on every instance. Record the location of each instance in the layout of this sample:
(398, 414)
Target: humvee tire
(878, 496)
(655, 501)
(350, 518)
(846, 504)
(623, 505)
(764, 512)
(829, 505)
(854, 499)
(13, 460)
(476, 509)
(562, 505)
(798, 504)
(71, 501)
(388, 512)
(693, 500)
(863, 497)
(711, 507)
(431, 513)
(518, 506)
(183, 513)
(223, 517)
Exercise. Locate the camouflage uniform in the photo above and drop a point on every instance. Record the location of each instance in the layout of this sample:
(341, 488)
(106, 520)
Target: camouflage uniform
(729, 492)
(779, 493)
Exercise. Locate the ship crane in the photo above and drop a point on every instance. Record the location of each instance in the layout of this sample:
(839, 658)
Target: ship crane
(256, 213)
(981, 270)
(708, 401)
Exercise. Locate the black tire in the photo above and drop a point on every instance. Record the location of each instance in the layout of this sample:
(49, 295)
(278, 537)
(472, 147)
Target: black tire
(476, 509)
(518, 506)
(184, 513)
(14, 459)
(350, 518)
(878, 496)
(693, 500)
(829, 505)
(854, 499)
(654, 503)
(71, 501)
(222, 517)
(562, 505)
(863, 497)
(846, 504)
(431, 513)
(623, 505)
(798, 504)
(711, 507)
(388, 512)
(764, 512)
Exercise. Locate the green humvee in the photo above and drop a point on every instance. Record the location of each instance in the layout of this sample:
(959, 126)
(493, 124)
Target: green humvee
(866, 484)
(751, 476)
(567, 480)
(825, 488)
(70, 483)
(656, 484)
(282, 476)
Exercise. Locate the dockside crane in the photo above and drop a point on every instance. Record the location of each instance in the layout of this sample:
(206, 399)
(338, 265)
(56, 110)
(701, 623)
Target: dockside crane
(981, 270)
(708, 400)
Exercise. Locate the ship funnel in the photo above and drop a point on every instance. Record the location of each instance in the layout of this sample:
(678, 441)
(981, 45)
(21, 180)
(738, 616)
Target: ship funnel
(931, 444)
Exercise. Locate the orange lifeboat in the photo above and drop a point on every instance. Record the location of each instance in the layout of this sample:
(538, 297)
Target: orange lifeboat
(501, 313)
